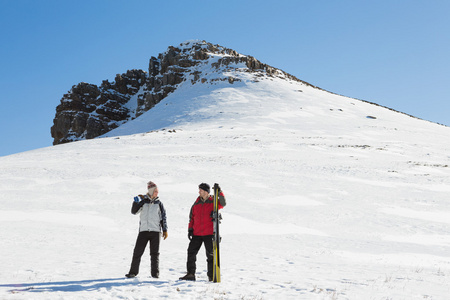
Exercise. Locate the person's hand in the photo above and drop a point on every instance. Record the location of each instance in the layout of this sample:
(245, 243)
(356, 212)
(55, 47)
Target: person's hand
(165, 234)
(190, 234)
(137, 199)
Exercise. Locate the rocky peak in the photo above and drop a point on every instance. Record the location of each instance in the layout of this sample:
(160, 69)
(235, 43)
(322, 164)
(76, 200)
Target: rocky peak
(88, 110)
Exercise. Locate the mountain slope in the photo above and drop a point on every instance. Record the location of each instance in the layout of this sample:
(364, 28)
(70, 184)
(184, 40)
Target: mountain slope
(88, 111)
(328, 198)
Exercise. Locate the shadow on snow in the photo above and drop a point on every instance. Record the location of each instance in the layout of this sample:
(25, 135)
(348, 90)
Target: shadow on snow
(77, 286)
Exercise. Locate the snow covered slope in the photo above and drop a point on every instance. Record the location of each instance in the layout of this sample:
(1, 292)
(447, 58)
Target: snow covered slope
(328, 198)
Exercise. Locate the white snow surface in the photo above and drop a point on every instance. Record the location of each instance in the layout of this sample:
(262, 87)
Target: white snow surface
(328, 197)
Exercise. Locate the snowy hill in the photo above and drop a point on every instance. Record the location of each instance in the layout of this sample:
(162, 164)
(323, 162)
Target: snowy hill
(328, 198)
(87, 111)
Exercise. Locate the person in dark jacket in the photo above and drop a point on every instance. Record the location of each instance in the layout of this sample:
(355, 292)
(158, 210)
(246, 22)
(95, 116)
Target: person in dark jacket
(201, 230)
(152, 221)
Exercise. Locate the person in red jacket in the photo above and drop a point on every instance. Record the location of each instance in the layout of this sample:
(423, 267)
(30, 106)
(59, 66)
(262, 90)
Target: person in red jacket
(200, 230)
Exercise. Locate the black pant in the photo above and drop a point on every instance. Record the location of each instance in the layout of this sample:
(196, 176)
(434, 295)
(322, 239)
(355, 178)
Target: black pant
(143, 238)
(194, 247)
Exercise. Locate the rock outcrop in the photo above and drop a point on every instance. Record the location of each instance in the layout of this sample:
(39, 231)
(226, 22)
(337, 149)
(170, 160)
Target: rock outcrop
(88, 111)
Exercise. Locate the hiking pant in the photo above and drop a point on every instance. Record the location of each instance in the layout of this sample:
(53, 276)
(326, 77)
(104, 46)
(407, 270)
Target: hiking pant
(143, 238)
(194, 247)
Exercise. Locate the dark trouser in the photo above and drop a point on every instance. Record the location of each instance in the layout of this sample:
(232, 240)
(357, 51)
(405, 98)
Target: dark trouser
(143, 238)
(194, 247)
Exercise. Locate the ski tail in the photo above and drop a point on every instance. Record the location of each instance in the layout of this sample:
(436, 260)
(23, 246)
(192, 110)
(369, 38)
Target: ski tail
(216, 237)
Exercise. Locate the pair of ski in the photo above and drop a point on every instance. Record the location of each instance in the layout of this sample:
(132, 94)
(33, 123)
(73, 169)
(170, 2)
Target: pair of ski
(216, 236)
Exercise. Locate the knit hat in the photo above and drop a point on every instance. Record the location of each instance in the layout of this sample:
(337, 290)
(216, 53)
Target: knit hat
(151, 186)
(205, 187)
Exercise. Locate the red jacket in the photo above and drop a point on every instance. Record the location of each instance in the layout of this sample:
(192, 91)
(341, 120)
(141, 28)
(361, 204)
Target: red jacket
(200, 216)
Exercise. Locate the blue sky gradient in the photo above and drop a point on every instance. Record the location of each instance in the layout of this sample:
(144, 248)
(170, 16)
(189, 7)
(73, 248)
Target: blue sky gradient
(394, 53)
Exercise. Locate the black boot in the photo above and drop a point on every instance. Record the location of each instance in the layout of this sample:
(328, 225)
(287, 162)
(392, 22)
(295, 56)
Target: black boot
(188, 276)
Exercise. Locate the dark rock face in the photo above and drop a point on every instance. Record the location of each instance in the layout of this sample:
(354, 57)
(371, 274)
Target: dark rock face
(88, 111)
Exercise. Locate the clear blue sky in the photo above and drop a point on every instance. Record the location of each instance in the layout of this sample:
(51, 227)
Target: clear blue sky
(394, 53)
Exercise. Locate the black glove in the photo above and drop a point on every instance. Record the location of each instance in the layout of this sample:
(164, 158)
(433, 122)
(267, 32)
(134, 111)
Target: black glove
(190, 234)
